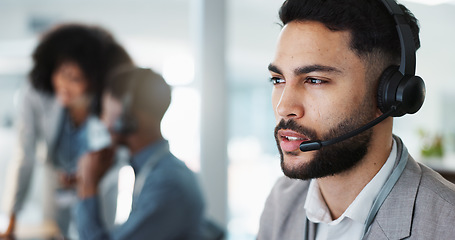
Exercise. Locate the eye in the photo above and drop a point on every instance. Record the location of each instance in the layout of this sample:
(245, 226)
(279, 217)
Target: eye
(276, 80)
(316, 81)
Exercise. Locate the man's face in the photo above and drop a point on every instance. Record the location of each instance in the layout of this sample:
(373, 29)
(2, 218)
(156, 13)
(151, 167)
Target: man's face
(319, 93)
(112, 110)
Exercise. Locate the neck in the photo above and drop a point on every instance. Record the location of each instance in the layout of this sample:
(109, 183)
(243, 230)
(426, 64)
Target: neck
(78, 114)
(139, 141)
(340, 190)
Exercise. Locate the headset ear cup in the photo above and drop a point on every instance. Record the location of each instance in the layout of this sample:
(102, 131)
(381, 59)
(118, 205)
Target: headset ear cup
(405, 92)
(130, 125)
(411, 94)
(384, 88)
(125, 124)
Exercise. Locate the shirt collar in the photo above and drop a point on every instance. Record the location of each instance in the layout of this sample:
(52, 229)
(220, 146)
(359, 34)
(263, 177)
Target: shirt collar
(140, 158)
(315, 206)
(70, 127)
(317, 210)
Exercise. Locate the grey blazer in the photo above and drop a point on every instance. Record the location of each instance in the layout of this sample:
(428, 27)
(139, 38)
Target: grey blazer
(38, 124)
(421, 205)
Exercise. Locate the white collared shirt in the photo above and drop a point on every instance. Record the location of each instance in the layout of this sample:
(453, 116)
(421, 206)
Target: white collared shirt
(350, 224)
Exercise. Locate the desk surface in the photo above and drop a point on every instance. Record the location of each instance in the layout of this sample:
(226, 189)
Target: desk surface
(445, 167)
(45, 230)
(440, 164)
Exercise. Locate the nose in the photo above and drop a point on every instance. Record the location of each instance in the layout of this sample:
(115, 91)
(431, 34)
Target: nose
(290, 104)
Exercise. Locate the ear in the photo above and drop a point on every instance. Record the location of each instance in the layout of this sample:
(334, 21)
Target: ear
(378, 112)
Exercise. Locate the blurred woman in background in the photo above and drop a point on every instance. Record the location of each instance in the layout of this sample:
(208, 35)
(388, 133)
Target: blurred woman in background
(61, 109)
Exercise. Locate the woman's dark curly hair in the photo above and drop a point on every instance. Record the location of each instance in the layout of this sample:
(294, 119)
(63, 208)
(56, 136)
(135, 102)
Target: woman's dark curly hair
(92, 48)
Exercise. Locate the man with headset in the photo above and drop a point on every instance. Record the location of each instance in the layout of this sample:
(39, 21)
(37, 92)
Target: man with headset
(342, 70)
(167, 202)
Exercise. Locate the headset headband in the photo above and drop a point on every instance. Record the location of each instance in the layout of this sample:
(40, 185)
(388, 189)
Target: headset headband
(408, 50)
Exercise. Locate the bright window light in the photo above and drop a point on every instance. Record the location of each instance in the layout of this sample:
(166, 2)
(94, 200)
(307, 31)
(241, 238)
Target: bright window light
(125, 194)
(180, 126)
(178, 69)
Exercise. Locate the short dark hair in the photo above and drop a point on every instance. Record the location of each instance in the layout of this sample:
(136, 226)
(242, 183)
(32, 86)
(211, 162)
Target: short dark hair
(371, 25)
(92, 48)
(149, 91)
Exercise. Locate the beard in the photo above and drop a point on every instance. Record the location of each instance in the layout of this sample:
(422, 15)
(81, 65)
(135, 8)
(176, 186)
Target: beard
(332, 159)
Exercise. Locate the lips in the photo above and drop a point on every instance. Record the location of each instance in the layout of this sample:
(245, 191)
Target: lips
(291, 140)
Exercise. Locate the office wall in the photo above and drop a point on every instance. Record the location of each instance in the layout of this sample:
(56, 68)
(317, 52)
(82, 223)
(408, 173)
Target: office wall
(434, 63)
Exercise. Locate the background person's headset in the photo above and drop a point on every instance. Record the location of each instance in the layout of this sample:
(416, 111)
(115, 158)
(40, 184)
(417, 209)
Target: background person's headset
(400, 91)
(126, 123)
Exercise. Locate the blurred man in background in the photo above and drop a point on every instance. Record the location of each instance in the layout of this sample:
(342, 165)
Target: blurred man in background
(167, 200)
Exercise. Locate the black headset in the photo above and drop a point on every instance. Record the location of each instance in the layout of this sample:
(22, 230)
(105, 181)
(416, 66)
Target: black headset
(126, 123)
(398, 86)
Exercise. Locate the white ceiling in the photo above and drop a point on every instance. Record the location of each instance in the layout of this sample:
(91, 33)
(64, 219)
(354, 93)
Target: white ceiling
(432, 2)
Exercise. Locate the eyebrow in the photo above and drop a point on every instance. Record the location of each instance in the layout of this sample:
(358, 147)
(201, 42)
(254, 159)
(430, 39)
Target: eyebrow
(274, 69)
(306, 69)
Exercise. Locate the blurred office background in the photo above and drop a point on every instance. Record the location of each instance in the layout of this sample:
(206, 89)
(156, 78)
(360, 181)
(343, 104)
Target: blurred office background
(215, 55)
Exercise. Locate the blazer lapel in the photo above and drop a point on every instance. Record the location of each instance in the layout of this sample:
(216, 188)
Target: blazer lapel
(312, 229)
(52, 121)
(394, 218)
